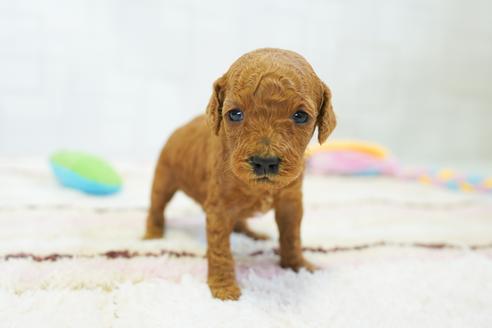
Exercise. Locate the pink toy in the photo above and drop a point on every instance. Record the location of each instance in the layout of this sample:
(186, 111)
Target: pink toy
(350, 163)
(351, 158)
(361, 158)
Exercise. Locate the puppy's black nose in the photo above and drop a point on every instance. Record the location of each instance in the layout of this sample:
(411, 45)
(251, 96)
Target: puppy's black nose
(264, 165)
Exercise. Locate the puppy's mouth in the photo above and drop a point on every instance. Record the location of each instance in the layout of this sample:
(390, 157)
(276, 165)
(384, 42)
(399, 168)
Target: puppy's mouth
(264, 179)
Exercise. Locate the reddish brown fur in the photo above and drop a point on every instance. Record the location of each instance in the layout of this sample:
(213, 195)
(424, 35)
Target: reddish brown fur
(209, 162)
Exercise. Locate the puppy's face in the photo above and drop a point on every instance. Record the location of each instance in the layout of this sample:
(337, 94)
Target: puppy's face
(266, 119)
(267, 129)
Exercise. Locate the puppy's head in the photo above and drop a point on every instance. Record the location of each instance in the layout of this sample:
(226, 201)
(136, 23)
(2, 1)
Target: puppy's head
(265, 109)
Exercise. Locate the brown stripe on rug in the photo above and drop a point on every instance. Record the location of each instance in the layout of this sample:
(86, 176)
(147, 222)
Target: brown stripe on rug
(126, 254)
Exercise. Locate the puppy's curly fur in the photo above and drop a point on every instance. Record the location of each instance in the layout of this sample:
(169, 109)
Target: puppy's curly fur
(210, 158)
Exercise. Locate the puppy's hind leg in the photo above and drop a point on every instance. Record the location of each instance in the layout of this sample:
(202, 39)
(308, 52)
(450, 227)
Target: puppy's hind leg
(241, 226)
(163, 189)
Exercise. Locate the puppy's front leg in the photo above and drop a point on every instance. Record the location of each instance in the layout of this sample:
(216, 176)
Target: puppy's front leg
(221, 274)
(288, 215)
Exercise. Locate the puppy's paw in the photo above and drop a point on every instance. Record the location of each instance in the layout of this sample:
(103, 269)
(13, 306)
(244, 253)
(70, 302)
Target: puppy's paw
(154, 226)
(298, 265)
(226, 293)
(154, 233)
(256, 235)
(242, 228)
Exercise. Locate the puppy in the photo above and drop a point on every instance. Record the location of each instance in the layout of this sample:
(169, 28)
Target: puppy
(246, 155)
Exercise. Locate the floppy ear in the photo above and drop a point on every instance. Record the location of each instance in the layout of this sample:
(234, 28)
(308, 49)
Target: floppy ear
(214, 107)
(326, 120)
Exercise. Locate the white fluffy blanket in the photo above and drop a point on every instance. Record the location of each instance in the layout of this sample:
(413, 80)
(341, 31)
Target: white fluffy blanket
(393, 254)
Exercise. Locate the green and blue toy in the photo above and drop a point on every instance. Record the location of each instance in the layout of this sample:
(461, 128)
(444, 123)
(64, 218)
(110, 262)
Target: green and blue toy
(85, 172)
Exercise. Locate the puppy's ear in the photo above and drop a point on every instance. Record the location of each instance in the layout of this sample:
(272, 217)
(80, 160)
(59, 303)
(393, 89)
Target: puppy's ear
(214, 107)
(326, 120)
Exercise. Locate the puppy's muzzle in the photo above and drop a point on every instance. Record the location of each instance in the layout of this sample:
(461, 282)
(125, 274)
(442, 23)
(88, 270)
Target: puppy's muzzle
(263, 166)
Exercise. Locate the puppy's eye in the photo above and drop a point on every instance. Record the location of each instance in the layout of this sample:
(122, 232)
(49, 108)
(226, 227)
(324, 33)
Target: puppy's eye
(300, 117)
(235, 115)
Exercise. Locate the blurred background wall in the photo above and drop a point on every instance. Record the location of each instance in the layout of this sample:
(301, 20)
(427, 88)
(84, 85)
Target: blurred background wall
(116, 77)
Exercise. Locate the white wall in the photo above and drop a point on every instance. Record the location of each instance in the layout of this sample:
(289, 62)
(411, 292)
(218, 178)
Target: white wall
(117, 76)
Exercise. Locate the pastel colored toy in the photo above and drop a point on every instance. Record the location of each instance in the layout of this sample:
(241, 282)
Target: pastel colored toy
(350, 158)
(450, 179)
(364, 147)
(365, 158)
(85, 172)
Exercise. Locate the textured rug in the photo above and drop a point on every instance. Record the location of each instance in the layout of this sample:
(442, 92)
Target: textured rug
(392, 254)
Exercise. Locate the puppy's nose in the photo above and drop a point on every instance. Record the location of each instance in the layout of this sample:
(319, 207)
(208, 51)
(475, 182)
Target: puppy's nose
(264, 165)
